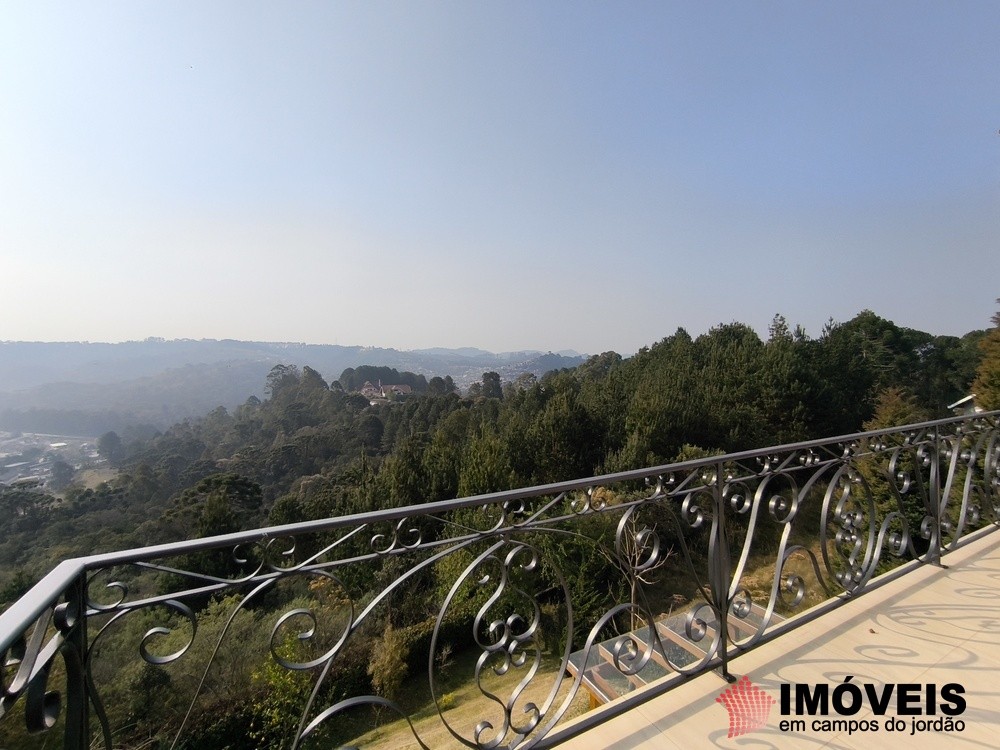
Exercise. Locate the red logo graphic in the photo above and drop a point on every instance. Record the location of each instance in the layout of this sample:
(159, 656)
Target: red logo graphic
(749, 707)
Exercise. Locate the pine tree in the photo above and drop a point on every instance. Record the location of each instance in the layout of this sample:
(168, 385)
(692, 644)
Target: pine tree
(987, 383)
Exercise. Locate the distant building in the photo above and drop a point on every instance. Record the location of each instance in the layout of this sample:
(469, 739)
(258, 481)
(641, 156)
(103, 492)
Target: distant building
(381, 392)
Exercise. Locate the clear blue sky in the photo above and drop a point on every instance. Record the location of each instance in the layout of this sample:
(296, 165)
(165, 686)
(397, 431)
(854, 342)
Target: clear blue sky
(505, 175)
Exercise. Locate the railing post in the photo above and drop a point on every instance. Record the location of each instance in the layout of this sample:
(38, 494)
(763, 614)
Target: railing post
(72, 621)
(935, 499)
(720, 568)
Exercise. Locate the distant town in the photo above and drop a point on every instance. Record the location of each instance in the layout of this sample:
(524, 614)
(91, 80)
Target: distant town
(46, 461)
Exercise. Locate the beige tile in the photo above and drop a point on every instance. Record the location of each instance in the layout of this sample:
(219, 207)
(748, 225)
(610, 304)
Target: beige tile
(931, 625)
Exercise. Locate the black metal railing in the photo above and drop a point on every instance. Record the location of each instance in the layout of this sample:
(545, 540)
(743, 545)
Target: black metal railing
(541, 595)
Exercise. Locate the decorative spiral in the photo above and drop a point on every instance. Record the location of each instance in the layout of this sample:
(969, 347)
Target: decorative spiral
(279, 557)
(512, 509)
(639, 549)
(740, 497)
(65, 616)
(507, 642)
(10, 659)
(809, 458)
(42, 707)
(693, 514)
(308, 632)
(782, 509)
(742, 604)
(793, 586)
(770, 463)
(900, 476)
(854, 539)
(897, 541)
(580, 502)
(598, 501)
(119, 586)
(924, 456)
(790, 587)
(927, 527)
(629, 655)
(152, 633)
(695, 626)
(383, 544)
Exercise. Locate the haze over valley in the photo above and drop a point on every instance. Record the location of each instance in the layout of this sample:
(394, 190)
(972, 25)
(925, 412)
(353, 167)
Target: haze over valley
(88, 388)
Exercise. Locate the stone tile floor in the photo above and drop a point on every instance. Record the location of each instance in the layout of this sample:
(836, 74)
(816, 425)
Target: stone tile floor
(930, 626)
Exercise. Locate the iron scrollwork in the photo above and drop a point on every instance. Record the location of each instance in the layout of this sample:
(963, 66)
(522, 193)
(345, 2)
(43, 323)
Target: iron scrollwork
(759, 535)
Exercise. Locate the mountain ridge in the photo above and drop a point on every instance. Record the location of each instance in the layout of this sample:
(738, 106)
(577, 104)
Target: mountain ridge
(159, 382)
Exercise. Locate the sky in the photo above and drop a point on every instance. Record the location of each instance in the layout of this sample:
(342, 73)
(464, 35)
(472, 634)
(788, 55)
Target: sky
(505, 175)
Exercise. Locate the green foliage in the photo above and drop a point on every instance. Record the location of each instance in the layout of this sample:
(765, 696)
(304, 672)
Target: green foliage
(894, 407)
(311, 451)
(278, 697)
(281, 379)
(24, 508)
(109, 445)
(485, 466)
(353, 378)
(492, 387)
(214, 505)
(987, 383)
(15, 587)
(387, 666)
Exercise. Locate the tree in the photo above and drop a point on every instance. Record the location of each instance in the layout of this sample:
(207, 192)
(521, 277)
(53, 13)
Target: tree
(387, 667)
(109, 445)
(436, 386)
(491, 385)
(635, 560)
(218, 504)
(894, 407)
(778, 330)
(526, 380)
(281, 378)
(312, 379)
(369, 430)
(62, 474)
(987, 383)
(485, 466)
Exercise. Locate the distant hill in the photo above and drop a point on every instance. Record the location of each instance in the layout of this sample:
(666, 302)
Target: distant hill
(89, 388)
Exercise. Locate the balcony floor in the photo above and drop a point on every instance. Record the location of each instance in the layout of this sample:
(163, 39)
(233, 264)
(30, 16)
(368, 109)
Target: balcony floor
(930, 625)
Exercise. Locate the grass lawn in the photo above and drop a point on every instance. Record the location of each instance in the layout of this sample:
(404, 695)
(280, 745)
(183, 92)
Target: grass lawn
(465, 705)
(93, 478)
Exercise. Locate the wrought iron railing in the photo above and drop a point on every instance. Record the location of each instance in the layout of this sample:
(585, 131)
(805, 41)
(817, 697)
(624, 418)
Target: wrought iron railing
(667, 572)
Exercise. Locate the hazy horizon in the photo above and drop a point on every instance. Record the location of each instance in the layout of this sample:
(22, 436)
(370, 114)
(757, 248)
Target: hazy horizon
(560, 350)
(508, 177)
(184, 339)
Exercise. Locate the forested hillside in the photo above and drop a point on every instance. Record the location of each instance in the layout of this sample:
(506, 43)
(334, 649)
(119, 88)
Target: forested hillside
(314, 449)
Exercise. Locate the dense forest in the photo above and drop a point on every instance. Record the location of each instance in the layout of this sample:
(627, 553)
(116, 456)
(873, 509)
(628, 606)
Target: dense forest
(314, 449)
